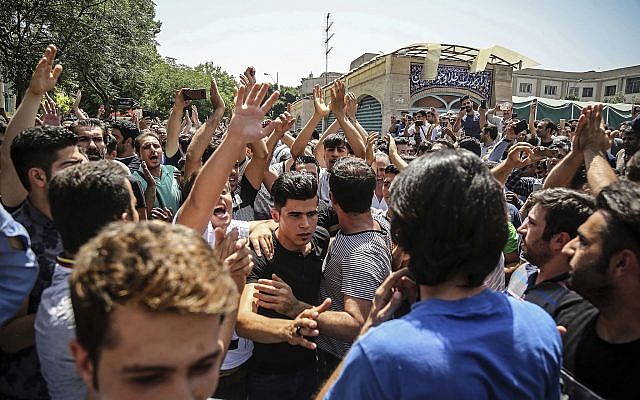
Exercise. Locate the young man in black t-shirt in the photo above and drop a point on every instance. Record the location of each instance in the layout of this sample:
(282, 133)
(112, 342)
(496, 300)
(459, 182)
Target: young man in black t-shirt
(284, 359)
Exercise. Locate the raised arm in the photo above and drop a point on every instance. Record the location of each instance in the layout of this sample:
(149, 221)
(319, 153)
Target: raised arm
(351, 107)
(456, 126)
(321, 110)
(203, 135)
(519, 156)
(564, 171)
(394, 157)
(594, 140)
(245, 127)
(337, 107)
(174, 124)
(44, 78)
(532, 116)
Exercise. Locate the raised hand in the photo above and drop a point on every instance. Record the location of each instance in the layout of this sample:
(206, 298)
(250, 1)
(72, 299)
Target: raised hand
(284, 122)
(180, 103)
(216, 100)
(337, 97)
(351, 105)
(320, 107)
(235, 254)
(521, 155)
(593, 136)
(164, 214)
(45, 75)
(261, 239)
(51, 114)
(246, 123)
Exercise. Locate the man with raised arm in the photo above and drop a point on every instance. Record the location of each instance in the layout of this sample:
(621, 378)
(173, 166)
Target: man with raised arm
(29, 158)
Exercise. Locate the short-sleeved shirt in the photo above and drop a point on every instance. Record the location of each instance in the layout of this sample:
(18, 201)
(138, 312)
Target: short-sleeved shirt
(302, 273)
(168, 192)
(243, 203)
(356, 266)
(486, 346)
(55, 328)
(20, 376)
(19, 268)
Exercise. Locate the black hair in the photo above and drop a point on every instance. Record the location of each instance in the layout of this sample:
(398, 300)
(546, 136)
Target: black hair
(566, 210)
(351, 184)
(38, 147)
(632, 170)
(293, 185)
(472, 144)
(401, 140)
(86, 197)
(138, 141)
(304, 159)
(110, 142)
(211, 148)
(391, 169)
(127, 129)
(450, 217)
(491, 129)
(445, 142)
(424, 147)
(335, 140)
(422, 112)
(89, 122)
(465, 97)
(619, 202)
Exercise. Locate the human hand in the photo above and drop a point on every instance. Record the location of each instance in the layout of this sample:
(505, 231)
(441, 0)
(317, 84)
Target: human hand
(320, 108)
(351, 105)
(521, 155)
(592, 135)
(180, 103)
(337, 105)
(389, 296)
(510, 133)
(249, 112)
(248, 79)
(164, 214)
(100, 111)
(391, 143)
(216, 100)
(195, 117)
(51, 114)
(235, 255)
(146, 174)
(76, 102)
(274, 294)
(284, 122)
(261, 239)
(306, 324)
(45, 76)
(513, 199)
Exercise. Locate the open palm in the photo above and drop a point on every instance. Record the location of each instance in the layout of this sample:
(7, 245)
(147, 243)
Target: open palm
(45, 76)
(246, 122)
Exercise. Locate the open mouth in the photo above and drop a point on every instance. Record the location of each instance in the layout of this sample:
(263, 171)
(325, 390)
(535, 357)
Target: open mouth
(154, 157)
(220, 211)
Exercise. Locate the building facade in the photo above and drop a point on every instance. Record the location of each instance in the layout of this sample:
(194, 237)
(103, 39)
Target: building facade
(582, 86)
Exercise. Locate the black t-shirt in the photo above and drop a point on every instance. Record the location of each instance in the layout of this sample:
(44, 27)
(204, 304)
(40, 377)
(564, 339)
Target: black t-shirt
(610, 370)
(327, 217)
(302, 274)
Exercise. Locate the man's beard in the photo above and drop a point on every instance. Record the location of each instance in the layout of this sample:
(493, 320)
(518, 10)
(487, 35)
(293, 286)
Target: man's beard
(93, 154)
(592, 282)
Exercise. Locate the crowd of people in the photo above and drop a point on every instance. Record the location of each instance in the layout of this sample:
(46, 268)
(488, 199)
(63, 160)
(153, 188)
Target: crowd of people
(469, 255)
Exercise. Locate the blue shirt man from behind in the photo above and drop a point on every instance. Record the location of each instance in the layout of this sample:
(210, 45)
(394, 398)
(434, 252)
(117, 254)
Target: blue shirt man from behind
(461, 340)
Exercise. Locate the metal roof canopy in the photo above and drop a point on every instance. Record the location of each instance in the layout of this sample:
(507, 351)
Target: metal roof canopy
(497, 55)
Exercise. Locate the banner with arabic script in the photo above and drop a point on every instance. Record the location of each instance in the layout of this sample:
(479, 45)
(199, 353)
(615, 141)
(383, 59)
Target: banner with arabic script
(449, 76)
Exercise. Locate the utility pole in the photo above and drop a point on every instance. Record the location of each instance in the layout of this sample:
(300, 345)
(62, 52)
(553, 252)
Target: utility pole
(327, 50)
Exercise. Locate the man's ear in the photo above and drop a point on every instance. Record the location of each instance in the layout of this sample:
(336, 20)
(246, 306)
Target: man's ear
(275, 215)
(558, 241)
(37, 177)
(623, 263)
(84, 366)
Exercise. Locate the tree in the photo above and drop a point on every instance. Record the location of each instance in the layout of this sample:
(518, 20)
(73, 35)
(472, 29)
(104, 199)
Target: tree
(165, 77)
(106, 45)
(288, 94)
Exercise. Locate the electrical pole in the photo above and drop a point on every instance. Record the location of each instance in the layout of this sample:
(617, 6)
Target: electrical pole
(327, 50)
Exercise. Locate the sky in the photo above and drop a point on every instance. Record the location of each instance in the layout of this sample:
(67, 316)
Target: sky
(286, 38)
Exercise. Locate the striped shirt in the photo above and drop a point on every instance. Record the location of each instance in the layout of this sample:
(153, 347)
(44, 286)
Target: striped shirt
(356, 265)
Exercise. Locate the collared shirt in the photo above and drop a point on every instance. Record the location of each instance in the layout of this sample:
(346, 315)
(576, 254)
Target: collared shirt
(19, 269)
(20, 377)
(522, 185)
(380, 204)
(168, 192)
(55, 328)
(133, 162)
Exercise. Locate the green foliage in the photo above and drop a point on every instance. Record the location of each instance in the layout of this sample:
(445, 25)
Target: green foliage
(63, 101)
(571, 97)
(288, 95)
(165, 77)
(617, 98)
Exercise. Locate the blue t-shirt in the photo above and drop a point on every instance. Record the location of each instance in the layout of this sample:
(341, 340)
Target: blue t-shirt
(486, 346)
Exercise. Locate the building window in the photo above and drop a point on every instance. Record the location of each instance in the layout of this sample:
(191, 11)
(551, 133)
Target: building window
(525, 88)
(573, 91)
(610, 90)
(587, 92)
(633, 85)
(550, 90)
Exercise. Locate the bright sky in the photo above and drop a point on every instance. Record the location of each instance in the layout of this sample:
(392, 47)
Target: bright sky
(287, 36)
